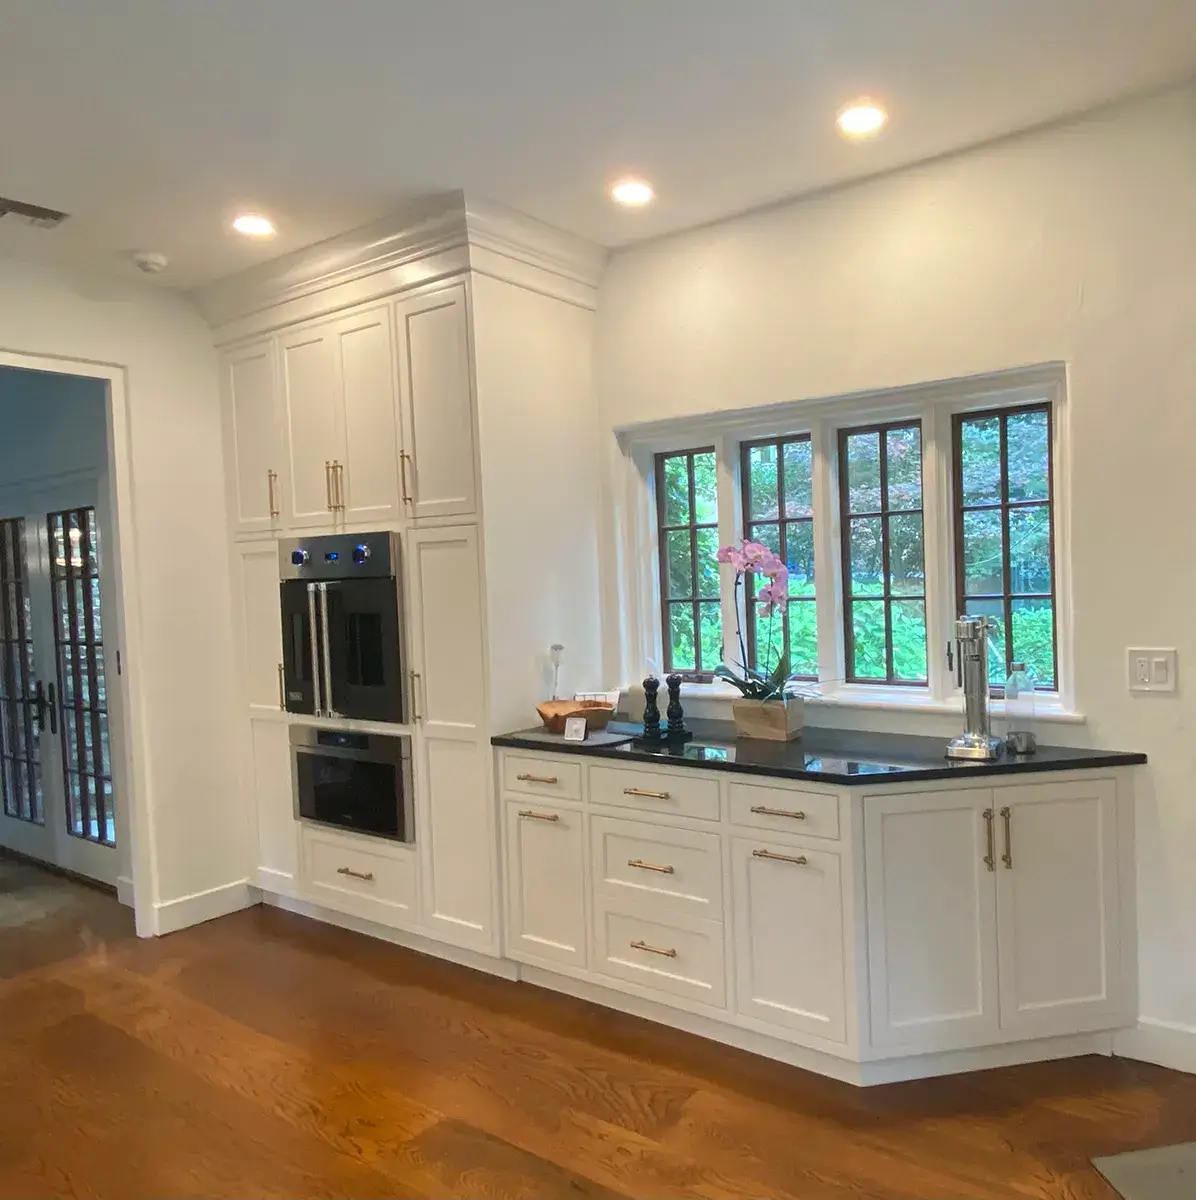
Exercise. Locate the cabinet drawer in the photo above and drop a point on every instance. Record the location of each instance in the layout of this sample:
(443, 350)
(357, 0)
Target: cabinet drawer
(683, 957)
(673, 870)
(377, 881)
(687, 795)
(812, 814)
(541, 776)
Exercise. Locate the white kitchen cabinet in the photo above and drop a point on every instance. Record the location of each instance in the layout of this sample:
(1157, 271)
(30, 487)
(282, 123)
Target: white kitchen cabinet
(1058, 916)
(277, 828)
(546, 911)
(789, 936)
(457, 829)
(259, 621)
(307, 367)
(932, 919)
(436, 386)
(252, 438)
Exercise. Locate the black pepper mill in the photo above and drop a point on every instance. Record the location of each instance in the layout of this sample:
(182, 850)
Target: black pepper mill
(651, 709)
(676, 714)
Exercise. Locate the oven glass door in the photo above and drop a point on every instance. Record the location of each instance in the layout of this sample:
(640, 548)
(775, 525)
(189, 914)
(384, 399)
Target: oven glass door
(358, 789)
(364, 650)
(298, 678)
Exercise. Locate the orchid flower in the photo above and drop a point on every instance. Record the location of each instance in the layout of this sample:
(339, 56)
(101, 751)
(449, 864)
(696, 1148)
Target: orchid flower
(763, 562)
(773, 595)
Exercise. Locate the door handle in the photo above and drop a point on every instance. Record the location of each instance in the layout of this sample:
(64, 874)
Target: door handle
(404, 459)
(328, 483)
(39, 707)
(282, 696)
(329, 704)
(340, 485)
(990, 841)
(271, 480)
(317, 706)
(416, 715)
(1007, 819)
(52, 704)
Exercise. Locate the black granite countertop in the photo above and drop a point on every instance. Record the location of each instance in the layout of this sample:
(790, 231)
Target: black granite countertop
(837, 756)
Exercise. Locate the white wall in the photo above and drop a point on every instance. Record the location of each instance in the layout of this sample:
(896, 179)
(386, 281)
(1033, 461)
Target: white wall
(185, 673)
(1074, 243)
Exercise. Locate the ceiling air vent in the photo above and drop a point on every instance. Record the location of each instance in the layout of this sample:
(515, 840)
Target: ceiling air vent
(33, 214)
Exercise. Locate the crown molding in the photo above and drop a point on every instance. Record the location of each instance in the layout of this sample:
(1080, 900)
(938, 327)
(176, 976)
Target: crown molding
(442, 231)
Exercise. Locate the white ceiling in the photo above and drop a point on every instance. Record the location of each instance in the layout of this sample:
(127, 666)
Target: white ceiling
(153, 121)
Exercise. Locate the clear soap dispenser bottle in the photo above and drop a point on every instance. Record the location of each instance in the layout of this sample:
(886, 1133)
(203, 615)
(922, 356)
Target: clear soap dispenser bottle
(1019, 710)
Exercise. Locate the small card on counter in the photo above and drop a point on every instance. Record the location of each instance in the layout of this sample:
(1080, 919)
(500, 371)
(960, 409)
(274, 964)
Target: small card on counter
(575, 729)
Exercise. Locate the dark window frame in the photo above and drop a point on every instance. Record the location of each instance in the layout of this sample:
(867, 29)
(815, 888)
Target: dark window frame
(20, 763)
(885, 514)
(699, 673)
(783, 523)
(1004, 506)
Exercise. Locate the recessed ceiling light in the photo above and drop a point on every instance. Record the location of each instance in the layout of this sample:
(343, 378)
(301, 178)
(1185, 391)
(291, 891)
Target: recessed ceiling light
(632, 193)
(862, 119)
(254, 225)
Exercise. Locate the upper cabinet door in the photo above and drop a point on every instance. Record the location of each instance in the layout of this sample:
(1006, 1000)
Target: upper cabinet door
(314, 427)
(1057, 907)
(253, 449)
(932, 945)
(366, 484)
(435, 380)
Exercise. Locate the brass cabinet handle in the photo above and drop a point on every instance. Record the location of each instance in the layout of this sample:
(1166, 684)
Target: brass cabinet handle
(364, 876)
(648, 795)
(328, 484)
(643, 866)
(1007, 818)
(282, 696)
(537, 778)
(777, 812)
(271, 480)
(338, 480)
(670, 953)
(535, 816)
(798, 860)
(416, 714)
(990, 859)
(404, 459)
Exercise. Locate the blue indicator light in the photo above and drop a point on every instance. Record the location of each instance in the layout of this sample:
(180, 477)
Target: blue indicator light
(331, 556)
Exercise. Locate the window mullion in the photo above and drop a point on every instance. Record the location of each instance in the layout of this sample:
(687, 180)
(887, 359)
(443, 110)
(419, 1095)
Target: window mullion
(730, 520)
(938, 551)
(827, 559)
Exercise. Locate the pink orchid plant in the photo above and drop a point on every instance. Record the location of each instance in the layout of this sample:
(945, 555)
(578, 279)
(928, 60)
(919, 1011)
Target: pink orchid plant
(759, 560)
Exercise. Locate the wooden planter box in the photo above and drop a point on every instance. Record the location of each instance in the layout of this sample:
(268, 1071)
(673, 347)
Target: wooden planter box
(774, 720)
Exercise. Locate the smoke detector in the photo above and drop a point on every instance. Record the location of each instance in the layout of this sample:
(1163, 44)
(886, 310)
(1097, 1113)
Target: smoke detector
(150, 261)
(32, 214)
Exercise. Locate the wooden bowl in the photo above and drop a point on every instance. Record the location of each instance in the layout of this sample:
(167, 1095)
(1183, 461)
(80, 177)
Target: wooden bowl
(554, 713)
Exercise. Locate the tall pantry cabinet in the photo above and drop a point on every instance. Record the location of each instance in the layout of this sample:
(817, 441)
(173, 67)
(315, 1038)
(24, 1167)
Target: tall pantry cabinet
(439, 385)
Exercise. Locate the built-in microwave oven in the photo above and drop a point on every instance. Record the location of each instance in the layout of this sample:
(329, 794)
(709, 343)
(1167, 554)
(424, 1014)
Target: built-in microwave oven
(342, 644)
(357, 781)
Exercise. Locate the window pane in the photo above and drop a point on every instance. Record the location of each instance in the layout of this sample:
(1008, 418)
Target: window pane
(983, 547)
(1030, 549)
(770, 639)
(909, 640)
(799, 479)
(681, 637)
(865, 555)
(680, 564)
(676, 490)
(995, 611)
(907, 572)
(980, 451)
(1034, 638)
(767, 535)
(866, 638)
(863, 472)
(803, 638)
(705, 490)
(707, 564)
(799, 555)
(1027, 442)
(903, 448)
(711, 619)
(762, 482)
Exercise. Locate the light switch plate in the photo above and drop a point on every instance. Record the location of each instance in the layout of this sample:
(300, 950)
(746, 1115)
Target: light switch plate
(1151, 669)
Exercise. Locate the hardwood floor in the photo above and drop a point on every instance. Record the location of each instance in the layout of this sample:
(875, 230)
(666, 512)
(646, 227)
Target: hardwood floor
(266, 1055)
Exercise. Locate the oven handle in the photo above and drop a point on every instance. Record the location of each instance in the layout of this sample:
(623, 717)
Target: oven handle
(329, 706)
(317, 707)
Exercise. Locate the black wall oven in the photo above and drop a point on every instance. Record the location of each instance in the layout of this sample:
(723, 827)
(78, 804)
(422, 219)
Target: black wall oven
(342, 626)
(357, 781)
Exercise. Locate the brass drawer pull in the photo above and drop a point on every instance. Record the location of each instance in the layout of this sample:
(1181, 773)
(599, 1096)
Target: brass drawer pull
(537, 778)
(647, 795)
(670, 953)
(990, 841)
(643, 866)
(535, 816)
(364, 876)
(1007, 857)
(777, 812)
(798, 860)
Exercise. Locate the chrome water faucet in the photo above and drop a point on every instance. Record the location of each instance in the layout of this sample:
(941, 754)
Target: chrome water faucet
(977, 741)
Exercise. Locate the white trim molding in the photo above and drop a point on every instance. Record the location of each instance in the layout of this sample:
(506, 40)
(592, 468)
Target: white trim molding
(1165, 1043)
(173, 915)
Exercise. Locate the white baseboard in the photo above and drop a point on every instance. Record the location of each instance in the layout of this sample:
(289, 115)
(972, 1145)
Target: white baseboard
(1167, 1043)
(173, 915)
(419, 942)
(124, 890)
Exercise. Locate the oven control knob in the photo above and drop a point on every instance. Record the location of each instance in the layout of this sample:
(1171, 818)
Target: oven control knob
(360, 554)
(300, 557)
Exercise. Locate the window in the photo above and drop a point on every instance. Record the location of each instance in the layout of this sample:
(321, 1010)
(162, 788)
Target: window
(778, 509)
(884, 573)
(687, 523)
(20, 764)
(1004, 534)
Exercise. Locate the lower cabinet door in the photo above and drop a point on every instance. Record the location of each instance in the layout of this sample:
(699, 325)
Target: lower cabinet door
(277, 829)
(789, 937)
(546, 919)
